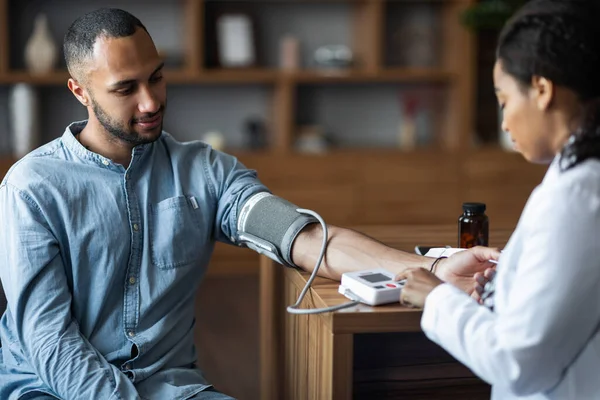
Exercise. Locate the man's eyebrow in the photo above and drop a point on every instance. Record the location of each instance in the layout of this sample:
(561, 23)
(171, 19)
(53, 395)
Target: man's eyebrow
(129, 81)
(162, 64)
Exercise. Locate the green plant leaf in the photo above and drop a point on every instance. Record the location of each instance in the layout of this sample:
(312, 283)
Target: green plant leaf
(491, 14)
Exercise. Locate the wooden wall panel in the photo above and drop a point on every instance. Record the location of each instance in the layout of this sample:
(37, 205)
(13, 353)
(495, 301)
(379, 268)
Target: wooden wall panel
(336, 203)
(294, 170)
(500, 169)
(503, 181)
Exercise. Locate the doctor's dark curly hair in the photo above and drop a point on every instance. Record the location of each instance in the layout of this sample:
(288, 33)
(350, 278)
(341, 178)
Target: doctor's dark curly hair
(560, 41)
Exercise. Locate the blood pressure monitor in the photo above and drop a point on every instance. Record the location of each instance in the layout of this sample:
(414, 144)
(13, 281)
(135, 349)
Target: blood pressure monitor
(372, 287)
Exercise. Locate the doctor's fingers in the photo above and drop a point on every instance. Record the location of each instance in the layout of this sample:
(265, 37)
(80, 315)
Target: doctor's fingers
(490, 273)
(408, 274)
(414, 275)
(405, 298)
(484, 277)
(485, 253)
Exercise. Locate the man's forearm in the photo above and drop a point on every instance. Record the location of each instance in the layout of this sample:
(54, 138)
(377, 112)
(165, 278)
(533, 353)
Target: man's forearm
(60, 355)
(73, 369)
(348, 250)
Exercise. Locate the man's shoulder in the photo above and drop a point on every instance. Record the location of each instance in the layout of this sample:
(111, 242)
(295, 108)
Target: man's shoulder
(193, 151)
(35, 166)
(170, 142)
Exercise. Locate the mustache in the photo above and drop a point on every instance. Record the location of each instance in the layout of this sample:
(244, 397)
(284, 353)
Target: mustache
(148, 116)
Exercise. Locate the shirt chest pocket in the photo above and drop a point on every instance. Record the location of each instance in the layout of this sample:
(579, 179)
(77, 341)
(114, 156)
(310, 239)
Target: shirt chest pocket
(176, 232)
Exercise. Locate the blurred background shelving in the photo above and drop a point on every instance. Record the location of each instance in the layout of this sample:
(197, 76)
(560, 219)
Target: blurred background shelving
(413, 61)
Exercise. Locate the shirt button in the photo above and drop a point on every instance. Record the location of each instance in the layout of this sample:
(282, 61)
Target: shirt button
(130, 333)
(105, 162)
(127, 367)
(132, 280)
(136, 227)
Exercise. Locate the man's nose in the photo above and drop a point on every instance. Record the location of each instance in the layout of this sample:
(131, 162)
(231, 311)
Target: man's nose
(148, 102)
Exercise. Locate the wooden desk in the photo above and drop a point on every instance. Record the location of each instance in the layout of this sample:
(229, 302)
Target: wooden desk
(374, 353)
(365, 352)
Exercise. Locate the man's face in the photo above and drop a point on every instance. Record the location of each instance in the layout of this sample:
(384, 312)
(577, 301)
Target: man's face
(126, 87)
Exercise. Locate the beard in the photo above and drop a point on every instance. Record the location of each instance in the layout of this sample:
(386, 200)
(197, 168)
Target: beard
(123, 132)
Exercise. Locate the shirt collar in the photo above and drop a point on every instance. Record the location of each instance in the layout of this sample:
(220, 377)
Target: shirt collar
(70, 142)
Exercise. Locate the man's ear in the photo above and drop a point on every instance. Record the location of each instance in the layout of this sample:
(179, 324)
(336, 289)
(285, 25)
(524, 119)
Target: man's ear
(542, 91)
(79, 92)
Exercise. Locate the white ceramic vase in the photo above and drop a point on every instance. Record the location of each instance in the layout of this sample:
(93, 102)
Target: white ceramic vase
(41, 52)
(24, 119)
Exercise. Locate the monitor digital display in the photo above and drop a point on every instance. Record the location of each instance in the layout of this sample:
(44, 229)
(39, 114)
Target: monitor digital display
(373, 278)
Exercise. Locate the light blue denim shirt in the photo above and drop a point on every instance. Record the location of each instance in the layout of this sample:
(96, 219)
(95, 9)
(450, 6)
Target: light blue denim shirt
(101, 264)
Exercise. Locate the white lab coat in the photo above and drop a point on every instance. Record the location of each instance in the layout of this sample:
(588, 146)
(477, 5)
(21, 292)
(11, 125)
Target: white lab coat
(542, 340)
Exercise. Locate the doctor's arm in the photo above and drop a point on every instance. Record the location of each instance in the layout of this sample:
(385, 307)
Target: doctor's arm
(39, 300)
(552, 310)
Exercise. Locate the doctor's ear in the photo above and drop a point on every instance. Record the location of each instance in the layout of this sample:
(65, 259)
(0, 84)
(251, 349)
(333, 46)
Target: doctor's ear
(542, 91)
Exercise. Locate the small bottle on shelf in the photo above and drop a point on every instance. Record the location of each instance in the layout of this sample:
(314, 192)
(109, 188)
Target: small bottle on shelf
(473, 226)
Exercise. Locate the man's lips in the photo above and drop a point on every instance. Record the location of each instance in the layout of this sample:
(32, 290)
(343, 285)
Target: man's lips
(148, 123)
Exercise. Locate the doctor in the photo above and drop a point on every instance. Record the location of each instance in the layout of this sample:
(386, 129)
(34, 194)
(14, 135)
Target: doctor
(540, 339)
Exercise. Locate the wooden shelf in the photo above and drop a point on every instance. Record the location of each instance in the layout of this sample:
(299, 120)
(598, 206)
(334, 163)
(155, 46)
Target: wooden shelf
(53, 78)
(386, 75)
(259, 76)
(225, 76)
(174, 76)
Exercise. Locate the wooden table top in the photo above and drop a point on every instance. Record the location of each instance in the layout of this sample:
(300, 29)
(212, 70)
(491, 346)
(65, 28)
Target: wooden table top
(356, 319)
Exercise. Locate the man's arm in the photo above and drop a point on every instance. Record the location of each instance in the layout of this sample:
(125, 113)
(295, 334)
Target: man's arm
(39, 300)
(347, 251)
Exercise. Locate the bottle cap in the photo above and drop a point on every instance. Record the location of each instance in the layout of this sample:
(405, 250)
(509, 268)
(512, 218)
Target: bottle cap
(474, 207)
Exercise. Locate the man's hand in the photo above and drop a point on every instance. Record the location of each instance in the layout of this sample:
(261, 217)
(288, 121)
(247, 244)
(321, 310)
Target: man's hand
(469, 270)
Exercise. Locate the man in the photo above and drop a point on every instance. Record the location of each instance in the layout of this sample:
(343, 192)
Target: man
(107, 232)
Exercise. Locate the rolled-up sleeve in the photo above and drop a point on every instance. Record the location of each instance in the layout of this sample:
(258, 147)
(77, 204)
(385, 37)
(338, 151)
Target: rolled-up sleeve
(39, 298)
(551, 312)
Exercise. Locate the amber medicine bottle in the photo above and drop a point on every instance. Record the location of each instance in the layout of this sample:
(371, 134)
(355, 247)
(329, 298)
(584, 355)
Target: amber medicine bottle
(473, 226)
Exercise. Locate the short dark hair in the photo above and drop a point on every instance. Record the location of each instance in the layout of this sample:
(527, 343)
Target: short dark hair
(558, 40)
(79, 40)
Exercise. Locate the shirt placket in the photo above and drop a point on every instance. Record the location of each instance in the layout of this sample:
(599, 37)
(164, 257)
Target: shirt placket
(132, 293)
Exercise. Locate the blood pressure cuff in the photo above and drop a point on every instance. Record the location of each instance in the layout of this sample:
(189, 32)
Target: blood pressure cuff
(269, 225)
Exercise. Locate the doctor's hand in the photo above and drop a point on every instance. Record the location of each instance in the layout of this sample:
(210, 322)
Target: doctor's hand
(481, 278)
(469, 270)
(419, 283)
